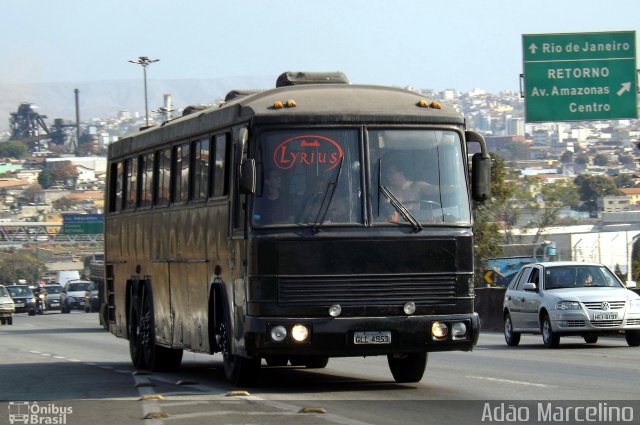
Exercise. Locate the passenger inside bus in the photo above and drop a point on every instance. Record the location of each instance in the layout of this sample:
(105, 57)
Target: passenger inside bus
(406, 190)
(272, 208)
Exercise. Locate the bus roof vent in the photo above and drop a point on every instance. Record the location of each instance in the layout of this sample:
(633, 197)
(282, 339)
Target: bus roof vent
(236, 94)
(296, 78)
(194, 108)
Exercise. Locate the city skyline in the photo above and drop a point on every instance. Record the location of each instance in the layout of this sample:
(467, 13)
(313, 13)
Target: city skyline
(462, 45)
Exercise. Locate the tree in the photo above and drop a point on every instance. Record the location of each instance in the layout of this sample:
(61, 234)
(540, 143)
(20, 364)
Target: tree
(488, 217)
(20, 265)
(566, 157)
(600, 160)
(556, 196)
(33, 193)
(593, 187)
(14, 149)
(46, 178)
(66, 174)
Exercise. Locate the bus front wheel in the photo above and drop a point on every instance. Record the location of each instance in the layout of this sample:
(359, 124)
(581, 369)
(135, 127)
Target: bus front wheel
(237, 369)
(407, 367)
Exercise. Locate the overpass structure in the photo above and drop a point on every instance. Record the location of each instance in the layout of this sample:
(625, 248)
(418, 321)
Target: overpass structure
(20, 233)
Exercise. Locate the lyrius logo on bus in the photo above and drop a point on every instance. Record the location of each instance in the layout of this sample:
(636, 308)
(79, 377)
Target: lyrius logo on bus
(307, 151)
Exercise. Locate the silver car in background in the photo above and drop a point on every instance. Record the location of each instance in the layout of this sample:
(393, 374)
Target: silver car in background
(569, 298)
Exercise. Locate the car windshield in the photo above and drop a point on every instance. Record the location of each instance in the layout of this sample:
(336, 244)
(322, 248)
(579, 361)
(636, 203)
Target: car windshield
(579, 277)
(3, 292)
(53, 289)
(77, 286)
(17, 291)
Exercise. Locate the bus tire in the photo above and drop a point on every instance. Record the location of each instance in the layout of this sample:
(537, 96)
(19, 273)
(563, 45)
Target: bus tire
(145, 353)
(407, 367)
(276, 361)
(316, 362)
(239, 370)
(135, 344)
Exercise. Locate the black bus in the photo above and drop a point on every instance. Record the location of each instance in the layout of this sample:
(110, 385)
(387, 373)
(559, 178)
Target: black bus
(317, 219)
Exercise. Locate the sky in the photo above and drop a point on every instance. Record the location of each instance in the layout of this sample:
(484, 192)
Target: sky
(459, 44)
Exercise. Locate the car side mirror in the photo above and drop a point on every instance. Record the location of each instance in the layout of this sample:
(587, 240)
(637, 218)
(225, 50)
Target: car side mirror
(530, 287)
(630, 284)
(248, 176)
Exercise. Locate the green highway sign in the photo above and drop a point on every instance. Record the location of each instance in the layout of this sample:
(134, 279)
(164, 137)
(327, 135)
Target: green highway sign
(580, 76)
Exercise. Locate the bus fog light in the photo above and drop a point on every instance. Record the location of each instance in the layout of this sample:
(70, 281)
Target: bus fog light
(335, 310)
(300, 333)
(409, 308)
(278, 333)
(439, 330)
(459, 330)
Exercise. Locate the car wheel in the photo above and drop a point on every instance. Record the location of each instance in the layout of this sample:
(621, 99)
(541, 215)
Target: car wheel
(591, 339)
(549, 337)
(512, 338)
(633, 338)
(10, 320)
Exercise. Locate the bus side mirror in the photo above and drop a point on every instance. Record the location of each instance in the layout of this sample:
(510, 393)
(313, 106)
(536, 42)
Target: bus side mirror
(248, 176)
(480, 178)
(480, 168)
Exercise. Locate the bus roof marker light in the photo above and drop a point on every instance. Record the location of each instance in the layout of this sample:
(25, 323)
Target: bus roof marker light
(291, 103)
(335, 310)
(435, 105)
(423, 103)
(277, 105)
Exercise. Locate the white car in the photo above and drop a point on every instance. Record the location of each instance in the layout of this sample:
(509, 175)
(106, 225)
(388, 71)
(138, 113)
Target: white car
(7, 307)
(569, 298)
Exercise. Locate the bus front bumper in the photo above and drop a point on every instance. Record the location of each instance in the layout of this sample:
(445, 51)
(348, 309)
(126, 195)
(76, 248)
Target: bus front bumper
(360, 336)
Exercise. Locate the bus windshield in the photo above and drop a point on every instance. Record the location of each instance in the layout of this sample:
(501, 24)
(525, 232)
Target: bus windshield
(315, 178)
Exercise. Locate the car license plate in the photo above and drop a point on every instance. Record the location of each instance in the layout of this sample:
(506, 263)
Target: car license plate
(55, 302)
(605, 316)
(19, 304)
(378, 337)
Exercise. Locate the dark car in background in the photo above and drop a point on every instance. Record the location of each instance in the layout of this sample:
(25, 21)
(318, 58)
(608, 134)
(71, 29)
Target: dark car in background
(23, 298)
(53, 296)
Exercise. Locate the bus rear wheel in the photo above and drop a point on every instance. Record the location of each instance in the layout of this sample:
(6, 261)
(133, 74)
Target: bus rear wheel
(145, 353)
(407, 367)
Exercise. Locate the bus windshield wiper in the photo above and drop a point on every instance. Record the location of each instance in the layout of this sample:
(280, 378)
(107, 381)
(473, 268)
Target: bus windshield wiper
(328, 193)
(399, 206)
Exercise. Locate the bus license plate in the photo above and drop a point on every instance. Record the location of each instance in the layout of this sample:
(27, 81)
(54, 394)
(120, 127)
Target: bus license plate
(380, 337)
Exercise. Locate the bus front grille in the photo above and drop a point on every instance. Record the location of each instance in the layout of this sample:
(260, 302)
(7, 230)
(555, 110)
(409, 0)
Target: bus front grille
(355, 291)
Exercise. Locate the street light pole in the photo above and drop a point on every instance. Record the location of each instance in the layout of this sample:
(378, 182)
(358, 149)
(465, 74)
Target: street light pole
(144, 61)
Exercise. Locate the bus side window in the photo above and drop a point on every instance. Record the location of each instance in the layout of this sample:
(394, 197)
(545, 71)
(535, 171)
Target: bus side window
(201, 157)
(115, 187)
(220, 186)
(146, 177)
(130, 183)
(180, 174)
(162, 181)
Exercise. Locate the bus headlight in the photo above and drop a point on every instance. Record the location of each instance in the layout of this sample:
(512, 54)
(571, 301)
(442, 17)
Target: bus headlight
(459, 330)
(278, 333)
(439, 330)
(299, 333)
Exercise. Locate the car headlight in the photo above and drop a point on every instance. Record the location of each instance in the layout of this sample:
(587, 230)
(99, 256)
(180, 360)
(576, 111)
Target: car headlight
(634, 304)
(568, 305)
(71, 299)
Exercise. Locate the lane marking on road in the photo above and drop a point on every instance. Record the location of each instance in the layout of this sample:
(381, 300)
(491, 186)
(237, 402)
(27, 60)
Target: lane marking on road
(509, 381)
